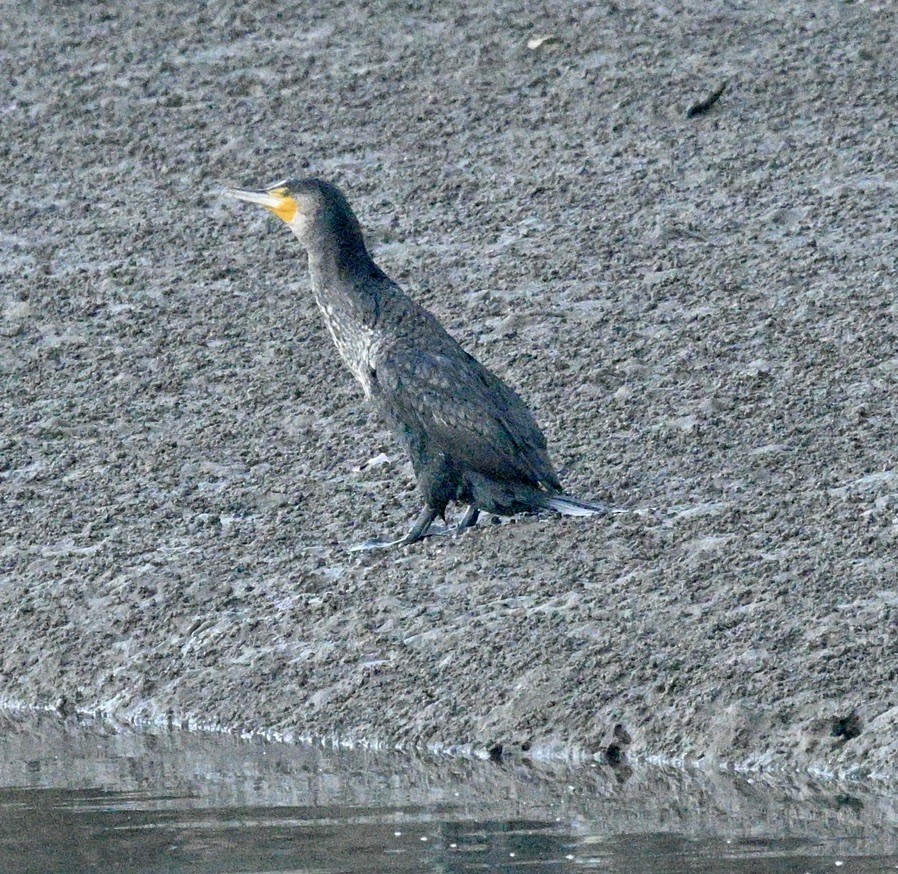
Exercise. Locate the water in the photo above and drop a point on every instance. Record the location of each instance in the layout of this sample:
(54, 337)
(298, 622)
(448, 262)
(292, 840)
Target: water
(94, 798)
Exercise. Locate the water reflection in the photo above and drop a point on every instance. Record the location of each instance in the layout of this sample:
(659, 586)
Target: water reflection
(92, 798)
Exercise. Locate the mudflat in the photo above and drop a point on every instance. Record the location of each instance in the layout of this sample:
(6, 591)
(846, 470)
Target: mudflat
(699, 308)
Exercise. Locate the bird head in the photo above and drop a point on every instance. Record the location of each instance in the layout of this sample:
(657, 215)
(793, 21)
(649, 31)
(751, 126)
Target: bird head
(316, 211)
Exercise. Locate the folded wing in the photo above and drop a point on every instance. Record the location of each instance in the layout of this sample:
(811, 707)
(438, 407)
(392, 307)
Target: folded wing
(458, 407)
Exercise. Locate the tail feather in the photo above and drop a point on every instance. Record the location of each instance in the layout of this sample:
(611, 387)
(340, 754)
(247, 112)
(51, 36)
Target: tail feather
(568, 506)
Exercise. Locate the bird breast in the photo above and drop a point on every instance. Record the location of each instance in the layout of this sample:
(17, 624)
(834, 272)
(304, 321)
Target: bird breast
(356, 343)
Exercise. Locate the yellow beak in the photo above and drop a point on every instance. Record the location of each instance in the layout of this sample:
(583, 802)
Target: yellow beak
(275, 199)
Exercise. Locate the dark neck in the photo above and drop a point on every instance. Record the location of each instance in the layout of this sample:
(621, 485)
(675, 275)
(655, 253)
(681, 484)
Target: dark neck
(338, 264)
(339, 243)
(345, 279)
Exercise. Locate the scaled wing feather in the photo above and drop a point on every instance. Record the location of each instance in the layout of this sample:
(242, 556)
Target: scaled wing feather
(466, 411)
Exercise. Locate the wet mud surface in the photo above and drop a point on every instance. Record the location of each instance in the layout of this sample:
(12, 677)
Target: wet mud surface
(699, 310)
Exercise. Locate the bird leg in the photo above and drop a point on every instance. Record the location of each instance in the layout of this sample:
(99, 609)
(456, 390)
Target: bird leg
(469, 520)
(419, 530)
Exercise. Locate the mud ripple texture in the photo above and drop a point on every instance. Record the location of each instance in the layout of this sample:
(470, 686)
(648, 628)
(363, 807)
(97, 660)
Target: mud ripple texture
(701, 312)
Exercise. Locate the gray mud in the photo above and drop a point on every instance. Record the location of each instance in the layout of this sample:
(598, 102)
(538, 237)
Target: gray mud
(700, 311)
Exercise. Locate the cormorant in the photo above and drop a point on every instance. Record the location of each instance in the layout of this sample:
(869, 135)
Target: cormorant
(470, 437)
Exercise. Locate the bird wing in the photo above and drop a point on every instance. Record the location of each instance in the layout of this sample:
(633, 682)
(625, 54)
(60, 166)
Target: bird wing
(464, 410)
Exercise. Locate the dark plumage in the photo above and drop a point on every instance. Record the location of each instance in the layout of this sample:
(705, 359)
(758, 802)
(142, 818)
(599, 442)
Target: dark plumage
(469, 436)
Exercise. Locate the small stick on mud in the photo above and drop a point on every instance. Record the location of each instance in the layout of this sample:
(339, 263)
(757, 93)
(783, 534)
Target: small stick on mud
(703, 106)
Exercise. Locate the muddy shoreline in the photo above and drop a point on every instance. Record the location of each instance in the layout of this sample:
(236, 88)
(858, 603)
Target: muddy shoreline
(700, 311)
(220, 770)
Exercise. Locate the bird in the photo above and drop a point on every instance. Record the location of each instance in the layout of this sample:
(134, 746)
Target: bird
(470, 437)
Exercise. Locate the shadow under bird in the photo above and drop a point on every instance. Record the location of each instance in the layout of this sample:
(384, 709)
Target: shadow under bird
(469, 436)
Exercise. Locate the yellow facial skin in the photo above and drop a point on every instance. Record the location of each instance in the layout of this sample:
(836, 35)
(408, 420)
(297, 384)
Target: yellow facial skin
(276, 199)
(286, 207)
